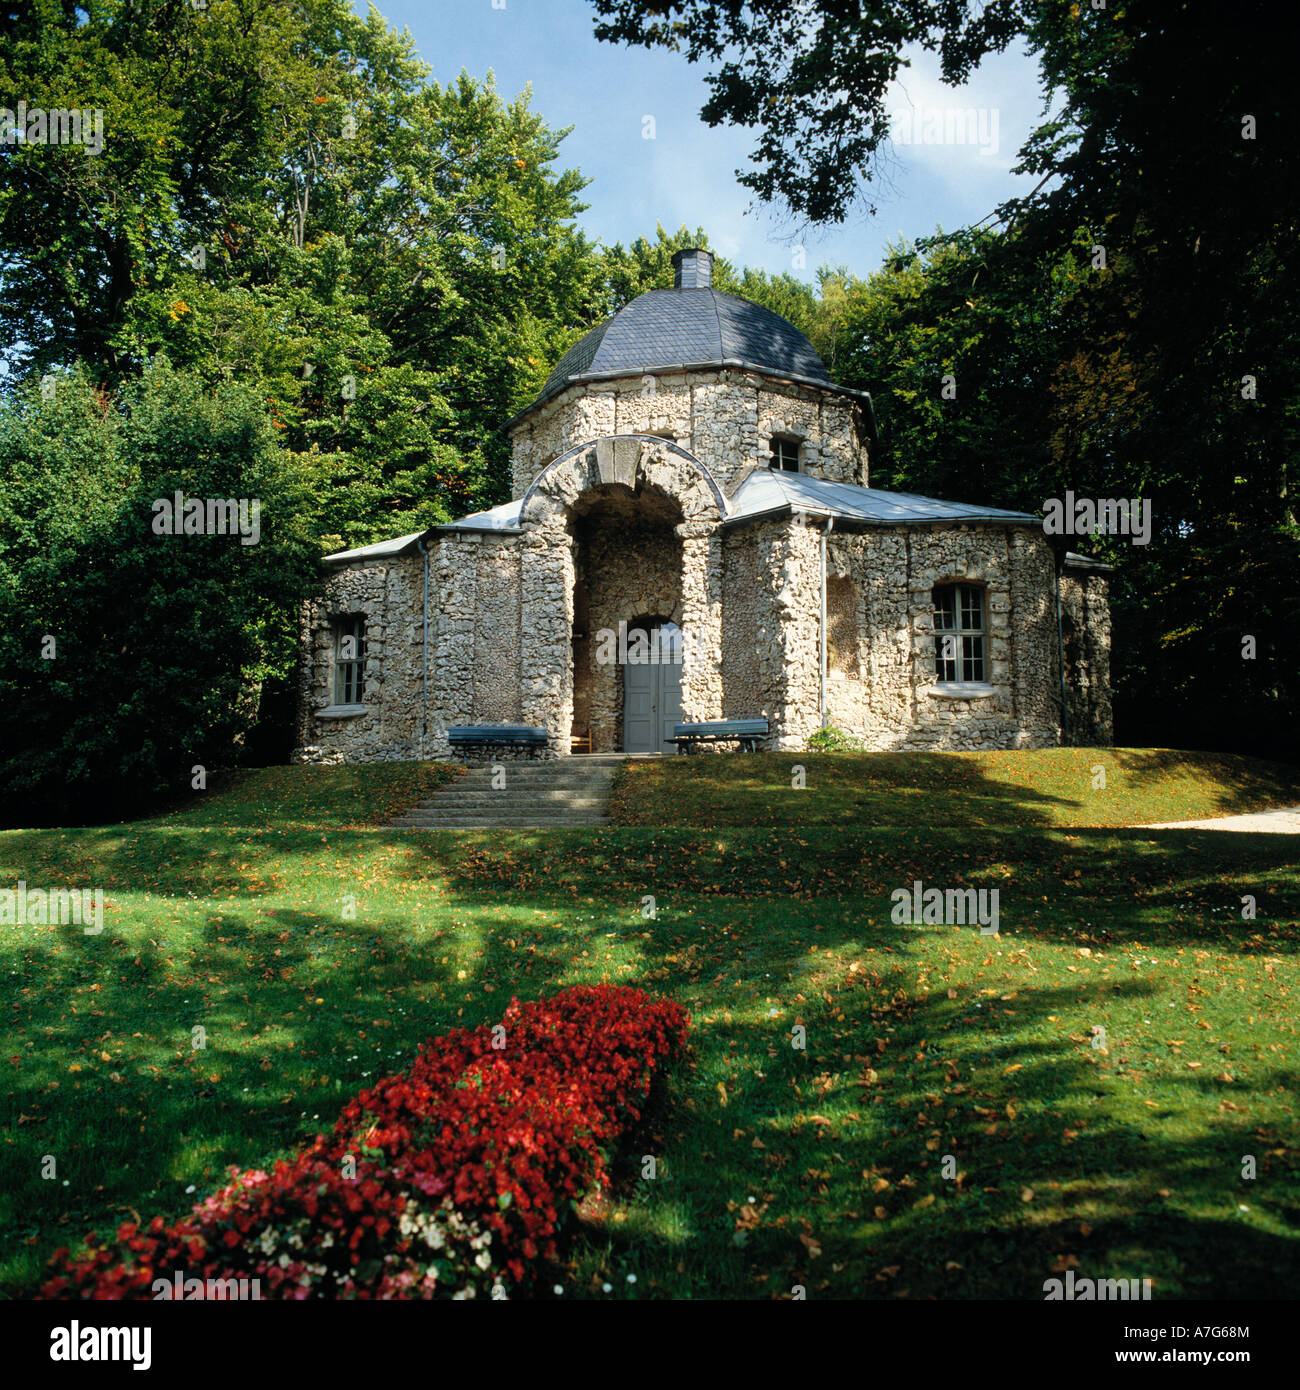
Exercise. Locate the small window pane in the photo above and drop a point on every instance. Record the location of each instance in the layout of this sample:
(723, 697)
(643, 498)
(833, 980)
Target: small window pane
(785, 455)
(959, 633)
(349, 660)
(945, 609)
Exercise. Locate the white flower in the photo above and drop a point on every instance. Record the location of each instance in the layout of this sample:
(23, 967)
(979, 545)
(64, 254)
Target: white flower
(559, 1288)
(606, 1288)
(483, 1259)
(631, 1278)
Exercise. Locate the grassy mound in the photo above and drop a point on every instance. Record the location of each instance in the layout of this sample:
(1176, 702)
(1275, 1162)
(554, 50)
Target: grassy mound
(1040, 787)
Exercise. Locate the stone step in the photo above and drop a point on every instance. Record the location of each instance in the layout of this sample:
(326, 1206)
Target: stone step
(485, 786)
(547, 765)
(485, 783)
(487, 822)
(560, 779)
(536, 796)
(522, 801)
(545, 769)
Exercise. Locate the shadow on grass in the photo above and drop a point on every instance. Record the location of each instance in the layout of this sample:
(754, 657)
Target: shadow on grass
(302, 1009)
(1030, 788)
(844, 1191)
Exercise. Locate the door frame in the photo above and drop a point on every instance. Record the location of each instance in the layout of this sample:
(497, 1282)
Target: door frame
(650, 625)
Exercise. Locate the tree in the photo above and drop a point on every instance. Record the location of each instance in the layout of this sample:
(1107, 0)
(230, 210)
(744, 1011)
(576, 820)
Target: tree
(132, 655)
(1129, 329)
(811, 78)
(293, 204)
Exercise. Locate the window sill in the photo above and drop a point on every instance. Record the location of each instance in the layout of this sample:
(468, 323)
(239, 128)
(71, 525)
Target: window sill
(962, 690)
(342, 711)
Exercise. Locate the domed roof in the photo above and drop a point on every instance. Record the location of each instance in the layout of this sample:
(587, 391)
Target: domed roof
(690, 325)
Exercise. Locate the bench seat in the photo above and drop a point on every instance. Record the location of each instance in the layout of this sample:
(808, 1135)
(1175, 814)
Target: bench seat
(463, 737)
(746, 732)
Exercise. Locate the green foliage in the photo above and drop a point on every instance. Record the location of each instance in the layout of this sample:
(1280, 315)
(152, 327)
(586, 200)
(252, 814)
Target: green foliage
(1169, 372)
(389, 262)
(133, 656)
(829, 739)
(812, 79)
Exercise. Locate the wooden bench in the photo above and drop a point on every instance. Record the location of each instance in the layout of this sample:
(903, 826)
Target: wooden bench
(464, 737)
(746, 732)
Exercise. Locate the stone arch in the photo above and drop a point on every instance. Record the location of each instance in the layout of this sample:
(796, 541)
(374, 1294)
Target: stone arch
(637, 461)
(628, 563)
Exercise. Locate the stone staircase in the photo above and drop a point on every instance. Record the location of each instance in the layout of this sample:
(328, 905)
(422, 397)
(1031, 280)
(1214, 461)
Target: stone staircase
(546, 795)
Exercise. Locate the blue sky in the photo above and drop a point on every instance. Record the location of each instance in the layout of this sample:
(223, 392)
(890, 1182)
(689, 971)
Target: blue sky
(686, 173)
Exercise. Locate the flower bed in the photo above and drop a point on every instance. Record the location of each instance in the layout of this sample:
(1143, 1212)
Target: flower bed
(452, 1178)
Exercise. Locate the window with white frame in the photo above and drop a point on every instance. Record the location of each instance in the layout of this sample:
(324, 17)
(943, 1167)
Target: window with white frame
(959, 633)
(349, 659)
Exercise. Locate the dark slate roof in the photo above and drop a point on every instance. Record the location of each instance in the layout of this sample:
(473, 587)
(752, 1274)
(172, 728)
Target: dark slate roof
(689, 327)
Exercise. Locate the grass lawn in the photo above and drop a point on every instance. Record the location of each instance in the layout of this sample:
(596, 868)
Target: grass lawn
(1043, 787)
(821, 1166)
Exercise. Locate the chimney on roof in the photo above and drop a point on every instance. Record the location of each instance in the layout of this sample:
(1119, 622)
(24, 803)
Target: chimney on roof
(692, 269)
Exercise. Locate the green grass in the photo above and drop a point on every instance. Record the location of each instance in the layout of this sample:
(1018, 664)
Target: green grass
(357, 794)
(1042, 787)
(776, 1166)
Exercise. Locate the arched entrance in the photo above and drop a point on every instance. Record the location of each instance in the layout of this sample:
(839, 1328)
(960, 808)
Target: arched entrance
(627, 607)
(652, 685)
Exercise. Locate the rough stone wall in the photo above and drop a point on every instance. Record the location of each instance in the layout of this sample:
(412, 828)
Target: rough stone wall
(1085, 603)
(572, 418)
(702, 600)
(789, 559)
(502, 612)
(823, 425)
(843, 624)
(654, 404)
(546, 648)
(896, 701)
(725, 418)
(390, 596)
(746, 614)
(475, 633)
(497, 697)
(629, 569)
(453, 594)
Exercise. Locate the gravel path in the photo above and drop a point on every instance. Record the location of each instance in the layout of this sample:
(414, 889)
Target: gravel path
(1284, 821)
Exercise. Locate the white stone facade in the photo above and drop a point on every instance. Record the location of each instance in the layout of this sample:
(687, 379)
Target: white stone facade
(612, 525)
